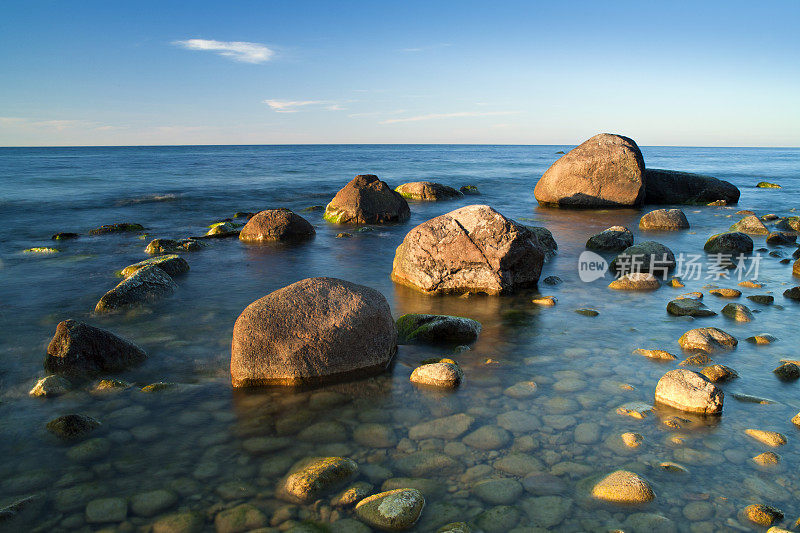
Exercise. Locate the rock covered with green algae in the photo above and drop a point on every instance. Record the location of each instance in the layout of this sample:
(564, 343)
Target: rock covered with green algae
(122, 227)
(623, 487)
(367, 200)
(41, 250)
(767, 185)
(173, 265)
(433, 329)
(315, 477)
(394, 510)
(80, 348)
(146, 285)
(169, 246)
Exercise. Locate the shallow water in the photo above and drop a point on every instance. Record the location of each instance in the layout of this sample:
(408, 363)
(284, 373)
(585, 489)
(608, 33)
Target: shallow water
(206, 442)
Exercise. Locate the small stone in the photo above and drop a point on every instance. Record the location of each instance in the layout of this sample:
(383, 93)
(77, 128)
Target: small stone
(552, 280)
(72, 426)
(738, 312)
(635, 281)
(521, 390)
(763, 299)
(239, 519)
(751, 284)
(545, 301)
(664, 220)
(487, 438)
(352, 494)
(310, 481)
(443, 375)
(637, 410)
(587, 312)
(719, 373)
(375, 436)
(762, 515)
(675, 468)
(51, 386)
(344, 235)
(623, 487)
(632, 440)
(587, 433)
(655, 354)
(726, 293)
(763, 338)
(153, 502)
(700, 359)
(698, 511)
(787, 372)
(186, 522)
(767, 459)
(106, 510)
(770, 438)
(394, 510)
(499, 519)
(688, 307)
(502, 491)
(792, 294)
(750, 225)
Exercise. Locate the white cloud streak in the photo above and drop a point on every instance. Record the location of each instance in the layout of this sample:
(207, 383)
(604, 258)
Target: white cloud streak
(437, 116)
(240, 51)
(293, 106)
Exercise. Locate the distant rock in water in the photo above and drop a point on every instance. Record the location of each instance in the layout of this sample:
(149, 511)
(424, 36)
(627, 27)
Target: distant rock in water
(122, 227)
(767, 185)
(469, 190)
(664, 220)
(437, 329)
(472, 249)
(146, 285)
(605, 171)
(314, 331)
(674, 187)
(279, 225)
(63, 236)
(427, 191)
(613, 239)
(367, 200)
(80, 348)
(169, 246)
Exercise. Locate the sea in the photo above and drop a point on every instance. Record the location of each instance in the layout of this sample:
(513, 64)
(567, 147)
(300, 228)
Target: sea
(199, 446)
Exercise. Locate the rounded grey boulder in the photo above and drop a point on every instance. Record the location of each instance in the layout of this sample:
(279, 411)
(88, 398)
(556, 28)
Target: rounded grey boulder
(729, 243)
(613, 239)
(314, 331)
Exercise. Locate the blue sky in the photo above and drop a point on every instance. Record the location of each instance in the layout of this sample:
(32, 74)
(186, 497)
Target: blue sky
(122, 73)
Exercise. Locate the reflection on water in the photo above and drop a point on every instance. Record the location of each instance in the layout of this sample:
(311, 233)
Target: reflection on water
(206, 448)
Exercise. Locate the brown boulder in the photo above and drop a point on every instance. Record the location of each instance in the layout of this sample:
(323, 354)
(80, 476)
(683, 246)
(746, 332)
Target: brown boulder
(277, 225)
(605, 171)
(689, 391)
(80, 348)
(427, 191)
(471, 249)
(314, 331)
(367, 200)
(664, 220)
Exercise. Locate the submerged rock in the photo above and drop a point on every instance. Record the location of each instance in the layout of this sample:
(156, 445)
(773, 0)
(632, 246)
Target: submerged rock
(146, 285)
(471, 249)
(726, 293)
(777, 238)
(674, 187)
(313, 331)
(719, 373)
(367, 200)
(738, 312)
(545, 301)
(223, 229)
(792, 294)
(656, 354)
(427, 191)
(750, 225)
(734, 243)
(647, 256)
(689, 391)
(181, 522)
(664, 220)
(244, 517)
(72, 426)
(623, 487)
(122, 227)
(605, 171)
(394, 510)
(434, 329)
(81, 348)
(688, 307)
(162, 246)
(707, 340)
(64, 236)
(762, 515)
(635, 281)
(51, 386)
(770, 438)
(106, 510)
(787, 372)
(762, 338)
(469, 190)
(613, 239)
(172, 265)
(279, 225)
(316, 478)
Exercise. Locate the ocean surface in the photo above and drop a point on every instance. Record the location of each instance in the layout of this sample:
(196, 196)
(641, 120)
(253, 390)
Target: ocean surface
(212, 448)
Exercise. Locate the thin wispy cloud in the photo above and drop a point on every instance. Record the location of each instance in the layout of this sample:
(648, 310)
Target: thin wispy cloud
(240, 51)
(438, 116)
(293, 106)
(376, 113)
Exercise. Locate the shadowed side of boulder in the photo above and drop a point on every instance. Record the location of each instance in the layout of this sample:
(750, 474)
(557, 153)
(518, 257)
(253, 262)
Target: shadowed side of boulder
(675, 187)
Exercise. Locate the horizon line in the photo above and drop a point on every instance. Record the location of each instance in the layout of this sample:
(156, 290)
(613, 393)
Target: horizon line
(366, 144)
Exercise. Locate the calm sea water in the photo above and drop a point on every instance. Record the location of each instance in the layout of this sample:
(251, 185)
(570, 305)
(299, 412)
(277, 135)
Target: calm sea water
(205, 444)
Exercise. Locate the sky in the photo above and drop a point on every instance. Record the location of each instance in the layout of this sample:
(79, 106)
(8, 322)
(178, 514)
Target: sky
(712, 73)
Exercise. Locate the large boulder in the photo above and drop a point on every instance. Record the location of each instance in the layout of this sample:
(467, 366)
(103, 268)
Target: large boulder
(734, 243)
(613, 239)
(367, 200)
(674, 187)
(80, 348)
(647, 256)
(276, 225)
(146, 285)
(707, 340)
(427, 191)
(471, 249)
(314, 331)
(605, 171)
(689, 391)
(664, 220)
(750, 225)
